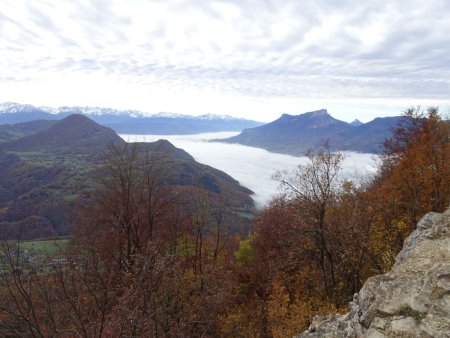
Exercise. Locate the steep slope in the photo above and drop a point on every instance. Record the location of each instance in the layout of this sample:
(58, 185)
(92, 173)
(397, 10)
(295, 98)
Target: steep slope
(292, 134)
(73, 132)
(44, 173)
(182, 170)
(368, 137)
(295, 134)
(356, 123)
(11, 132)
(165, 147)
(44, 176)
(412, 300)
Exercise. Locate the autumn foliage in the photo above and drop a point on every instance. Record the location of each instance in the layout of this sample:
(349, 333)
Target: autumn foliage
(150, 259)
(314, 246)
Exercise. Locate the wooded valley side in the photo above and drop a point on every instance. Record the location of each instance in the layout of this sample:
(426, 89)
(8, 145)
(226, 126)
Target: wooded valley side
(163, 246)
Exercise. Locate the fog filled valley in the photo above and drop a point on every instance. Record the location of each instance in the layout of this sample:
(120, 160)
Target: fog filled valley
(225, 169)
(198, 235)
(254, 167)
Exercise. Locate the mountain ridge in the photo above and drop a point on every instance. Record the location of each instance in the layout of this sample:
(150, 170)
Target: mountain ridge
(295, 134)
(73, 131)
(45, 174)
(356, 123)
(128, 121)
(10, 132)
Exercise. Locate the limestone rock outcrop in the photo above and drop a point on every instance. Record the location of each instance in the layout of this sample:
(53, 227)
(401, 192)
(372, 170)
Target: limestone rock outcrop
(411, 300)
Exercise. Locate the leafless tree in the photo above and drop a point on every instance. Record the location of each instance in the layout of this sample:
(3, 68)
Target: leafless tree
(315, 186)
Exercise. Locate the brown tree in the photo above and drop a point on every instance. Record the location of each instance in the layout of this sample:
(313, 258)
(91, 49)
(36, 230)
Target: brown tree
(414, 178)
(315, 186)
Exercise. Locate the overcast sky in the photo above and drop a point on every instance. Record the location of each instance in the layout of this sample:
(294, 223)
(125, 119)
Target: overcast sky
(250, 58)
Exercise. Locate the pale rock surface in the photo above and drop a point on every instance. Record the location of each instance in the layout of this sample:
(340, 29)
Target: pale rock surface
(412, 300)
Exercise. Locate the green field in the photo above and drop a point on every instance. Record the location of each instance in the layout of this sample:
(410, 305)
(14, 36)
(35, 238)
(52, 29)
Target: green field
(38, 252)
(45, 248)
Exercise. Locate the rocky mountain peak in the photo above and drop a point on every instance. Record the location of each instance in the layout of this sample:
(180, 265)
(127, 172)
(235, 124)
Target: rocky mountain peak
(286, 117)
(321, 113)
(411, 300)
(317, 114)
(356, 123)
(320, 119)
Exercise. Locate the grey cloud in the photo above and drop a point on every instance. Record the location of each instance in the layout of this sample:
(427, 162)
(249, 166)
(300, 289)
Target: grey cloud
(412, 59)
(101, 25)
(41, 19)
(4, 20)
(69, 42)
(25, 36)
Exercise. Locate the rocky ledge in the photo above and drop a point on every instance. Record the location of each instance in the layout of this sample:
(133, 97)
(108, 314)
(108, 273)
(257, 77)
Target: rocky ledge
(412, 300)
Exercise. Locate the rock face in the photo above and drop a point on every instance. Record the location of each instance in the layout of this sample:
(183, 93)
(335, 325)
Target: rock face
(412, 300)
(295, 134)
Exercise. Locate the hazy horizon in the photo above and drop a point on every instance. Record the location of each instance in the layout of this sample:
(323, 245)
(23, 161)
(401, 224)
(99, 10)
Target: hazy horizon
(53, 110)
(255, 60)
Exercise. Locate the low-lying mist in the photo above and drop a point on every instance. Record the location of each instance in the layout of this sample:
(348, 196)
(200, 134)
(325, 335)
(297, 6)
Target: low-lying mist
(252, 167)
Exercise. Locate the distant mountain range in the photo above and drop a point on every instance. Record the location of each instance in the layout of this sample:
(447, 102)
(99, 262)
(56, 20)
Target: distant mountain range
(290, 134)
(128, 121)
(48, 168)
(295, 134)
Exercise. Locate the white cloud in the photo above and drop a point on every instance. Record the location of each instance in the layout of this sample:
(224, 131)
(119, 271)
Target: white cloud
(258, 58)
(252, 167)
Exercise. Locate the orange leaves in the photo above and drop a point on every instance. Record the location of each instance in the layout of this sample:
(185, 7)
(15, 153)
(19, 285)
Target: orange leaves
(313, 247)
(415, 179)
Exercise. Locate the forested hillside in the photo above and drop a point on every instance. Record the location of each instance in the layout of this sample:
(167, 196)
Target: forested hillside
(151, 259)
(313, 247)
(48, 170)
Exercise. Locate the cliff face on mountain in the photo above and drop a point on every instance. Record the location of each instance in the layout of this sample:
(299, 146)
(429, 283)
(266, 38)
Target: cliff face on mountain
(412, 300)
(295, 134)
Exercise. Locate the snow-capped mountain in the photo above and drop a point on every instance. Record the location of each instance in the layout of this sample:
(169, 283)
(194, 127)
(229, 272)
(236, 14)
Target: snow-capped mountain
(98, 111)
(128, 121)
(13, 107)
